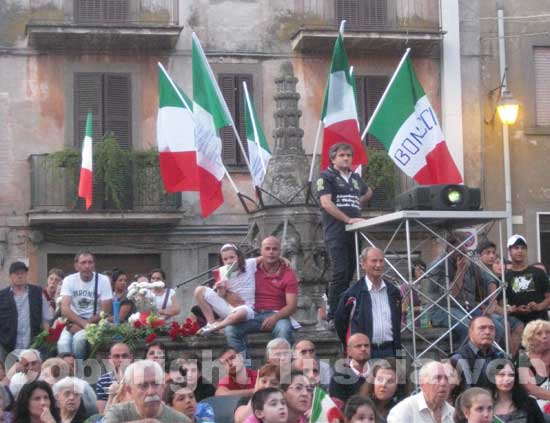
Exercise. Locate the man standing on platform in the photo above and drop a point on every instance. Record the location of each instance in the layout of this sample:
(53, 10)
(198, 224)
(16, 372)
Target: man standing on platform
(371, 307)
(527, 289)
(342, 194)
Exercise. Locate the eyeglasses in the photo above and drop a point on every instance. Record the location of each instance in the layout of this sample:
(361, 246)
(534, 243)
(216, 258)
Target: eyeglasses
(301, 388)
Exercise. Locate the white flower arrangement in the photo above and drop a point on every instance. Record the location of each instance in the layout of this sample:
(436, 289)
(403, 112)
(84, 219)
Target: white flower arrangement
(141, 293)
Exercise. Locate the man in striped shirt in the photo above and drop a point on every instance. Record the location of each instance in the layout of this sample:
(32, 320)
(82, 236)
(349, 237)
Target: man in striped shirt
(120, 357)
(373, 307)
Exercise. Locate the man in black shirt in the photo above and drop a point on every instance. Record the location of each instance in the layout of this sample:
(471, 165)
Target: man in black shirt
(527, 290)
(342, 194)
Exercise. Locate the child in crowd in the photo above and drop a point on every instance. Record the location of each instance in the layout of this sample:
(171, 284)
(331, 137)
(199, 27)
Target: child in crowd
(474, 405)
(232, 297)
(269, 406)
(360, 409)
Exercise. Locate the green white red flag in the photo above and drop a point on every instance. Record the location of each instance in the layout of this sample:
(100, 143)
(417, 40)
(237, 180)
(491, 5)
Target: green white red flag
(210, 114)
(85, 183)
(323, 409)
(339, 116)
(407, 126)
(176, 137)
(258, 149)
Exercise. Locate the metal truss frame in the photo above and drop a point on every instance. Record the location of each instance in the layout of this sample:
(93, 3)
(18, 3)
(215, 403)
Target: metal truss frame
(433, 224)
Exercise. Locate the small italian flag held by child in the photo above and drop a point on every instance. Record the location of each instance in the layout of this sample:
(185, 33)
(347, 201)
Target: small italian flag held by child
(323, 409)
(224, 272)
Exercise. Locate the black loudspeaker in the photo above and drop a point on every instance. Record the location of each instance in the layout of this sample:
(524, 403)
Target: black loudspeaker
(439, 197)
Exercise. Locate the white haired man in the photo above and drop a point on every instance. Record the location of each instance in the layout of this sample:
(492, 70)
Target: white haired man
(430, 404)
(145, 383)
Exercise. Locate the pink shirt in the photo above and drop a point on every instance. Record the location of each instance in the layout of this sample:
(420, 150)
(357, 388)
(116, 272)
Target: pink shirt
(271, 288)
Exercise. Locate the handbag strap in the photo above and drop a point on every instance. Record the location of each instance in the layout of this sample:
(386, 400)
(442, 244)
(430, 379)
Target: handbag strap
(165, 301)
(95, 294)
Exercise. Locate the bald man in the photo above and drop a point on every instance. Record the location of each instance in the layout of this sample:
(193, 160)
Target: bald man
(349, 377)
(275, 299)
(373, 307)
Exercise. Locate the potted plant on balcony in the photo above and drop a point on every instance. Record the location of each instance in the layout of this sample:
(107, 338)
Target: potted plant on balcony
(381, 176)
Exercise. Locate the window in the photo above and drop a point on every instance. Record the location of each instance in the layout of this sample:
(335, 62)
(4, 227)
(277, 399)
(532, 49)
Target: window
(108, 97)
(101, 11)
(361, 14)
(542, 86)
(369, 92)
(231, 86)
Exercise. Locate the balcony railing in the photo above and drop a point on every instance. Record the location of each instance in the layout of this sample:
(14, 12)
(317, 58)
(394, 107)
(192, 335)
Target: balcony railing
(106, 12)
(55, 189)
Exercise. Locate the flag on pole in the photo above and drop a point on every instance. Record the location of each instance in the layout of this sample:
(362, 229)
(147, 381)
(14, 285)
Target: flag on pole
(405, 123)
(85, 183)
(323, 409)
(176, 137)
(210, 114)
(258, 149)
(339, 116)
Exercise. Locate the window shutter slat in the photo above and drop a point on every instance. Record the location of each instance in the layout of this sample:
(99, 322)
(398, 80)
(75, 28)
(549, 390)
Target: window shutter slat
(350, 11)
(542, 84)
(239, 113)
(229, 141)
(101, 11)
(362, 14)
(374, 88)
(117, 109)
(88, 96)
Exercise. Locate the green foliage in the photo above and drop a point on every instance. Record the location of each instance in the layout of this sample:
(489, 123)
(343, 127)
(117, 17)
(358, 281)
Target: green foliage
(67, 158)
(380, 172)
(112, 166)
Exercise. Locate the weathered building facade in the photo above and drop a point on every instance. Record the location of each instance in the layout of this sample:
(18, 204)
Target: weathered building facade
(61, 58)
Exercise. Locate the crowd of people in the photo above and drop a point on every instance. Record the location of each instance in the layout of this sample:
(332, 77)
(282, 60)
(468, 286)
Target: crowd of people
(370, 382)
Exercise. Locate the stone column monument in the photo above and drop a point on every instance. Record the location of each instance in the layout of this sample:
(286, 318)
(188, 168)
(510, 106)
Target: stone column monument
(286, 211)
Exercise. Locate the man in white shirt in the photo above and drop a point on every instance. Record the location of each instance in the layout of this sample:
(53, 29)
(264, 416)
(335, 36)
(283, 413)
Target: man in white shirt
(83, 296)
(430, 404)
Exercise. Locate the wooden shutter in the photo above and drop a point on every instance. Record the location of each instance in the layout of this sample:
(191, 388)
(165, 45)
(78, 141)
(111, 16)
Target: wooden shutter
(239, 112)
(229, 141)
(115, 11)
(542, 85)
(87, 10)
(350, 11)
(118, 107)
(374, 88)
(373, 14)
(88, 96)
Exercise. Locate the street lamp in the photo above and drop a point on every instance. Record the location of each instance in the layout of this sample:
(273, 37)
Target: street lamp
(507, 108)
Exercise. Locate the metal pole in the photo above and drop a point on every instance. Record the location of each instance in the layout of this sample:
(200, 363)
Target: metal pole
(357, 254)
(410, 282)
(505, 135)
(503, 285)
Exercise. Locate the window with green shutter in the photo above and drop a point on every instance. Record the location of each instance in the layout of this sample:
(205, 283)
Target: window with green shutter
(231, 86)
(108, 97)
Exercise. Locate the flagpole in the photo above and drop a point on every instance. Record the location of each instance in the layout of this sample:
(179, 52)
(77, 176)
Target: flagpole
(256, 137)
(174, 86)
(385, 93)
(314, 151)
(222, 101)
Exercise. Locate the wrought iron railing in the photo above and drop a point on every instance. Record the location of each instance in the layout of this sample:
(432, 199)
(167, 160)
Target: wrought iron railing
(55, 188)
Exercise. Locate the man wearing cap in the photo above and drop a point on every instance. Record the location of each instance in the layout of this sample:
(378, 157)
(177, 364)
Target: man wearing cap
(23, 311)
(527, 288)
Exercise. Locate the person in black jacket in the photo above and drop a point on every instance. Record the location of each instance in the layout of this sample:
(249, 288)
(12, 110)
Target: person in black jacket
(512, 403)
(23, 311)
(373, 307)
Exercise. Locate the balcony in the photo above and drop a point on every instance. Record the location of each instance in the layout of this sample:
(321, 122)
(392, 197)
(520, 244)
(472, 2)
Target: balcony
(54, 198)
(376, 26)
(103, 25)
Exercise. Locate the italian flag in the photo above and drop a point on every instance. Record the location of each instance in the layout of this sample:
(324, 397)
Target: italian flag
(85, 183)
(405, 123)
(176, 137)
(210, 114)
(258, 149)
(323, 409)
(339, 114)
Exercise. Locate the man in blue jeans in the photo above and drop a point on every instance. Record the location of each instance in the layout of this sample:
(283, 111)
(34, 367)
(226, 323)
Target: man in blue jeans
(275, 299)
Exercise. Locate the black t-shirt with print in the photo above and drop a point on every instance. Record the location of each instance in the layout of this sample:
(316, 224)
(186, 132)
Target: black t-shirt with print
(530, 284)
(345, 196)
